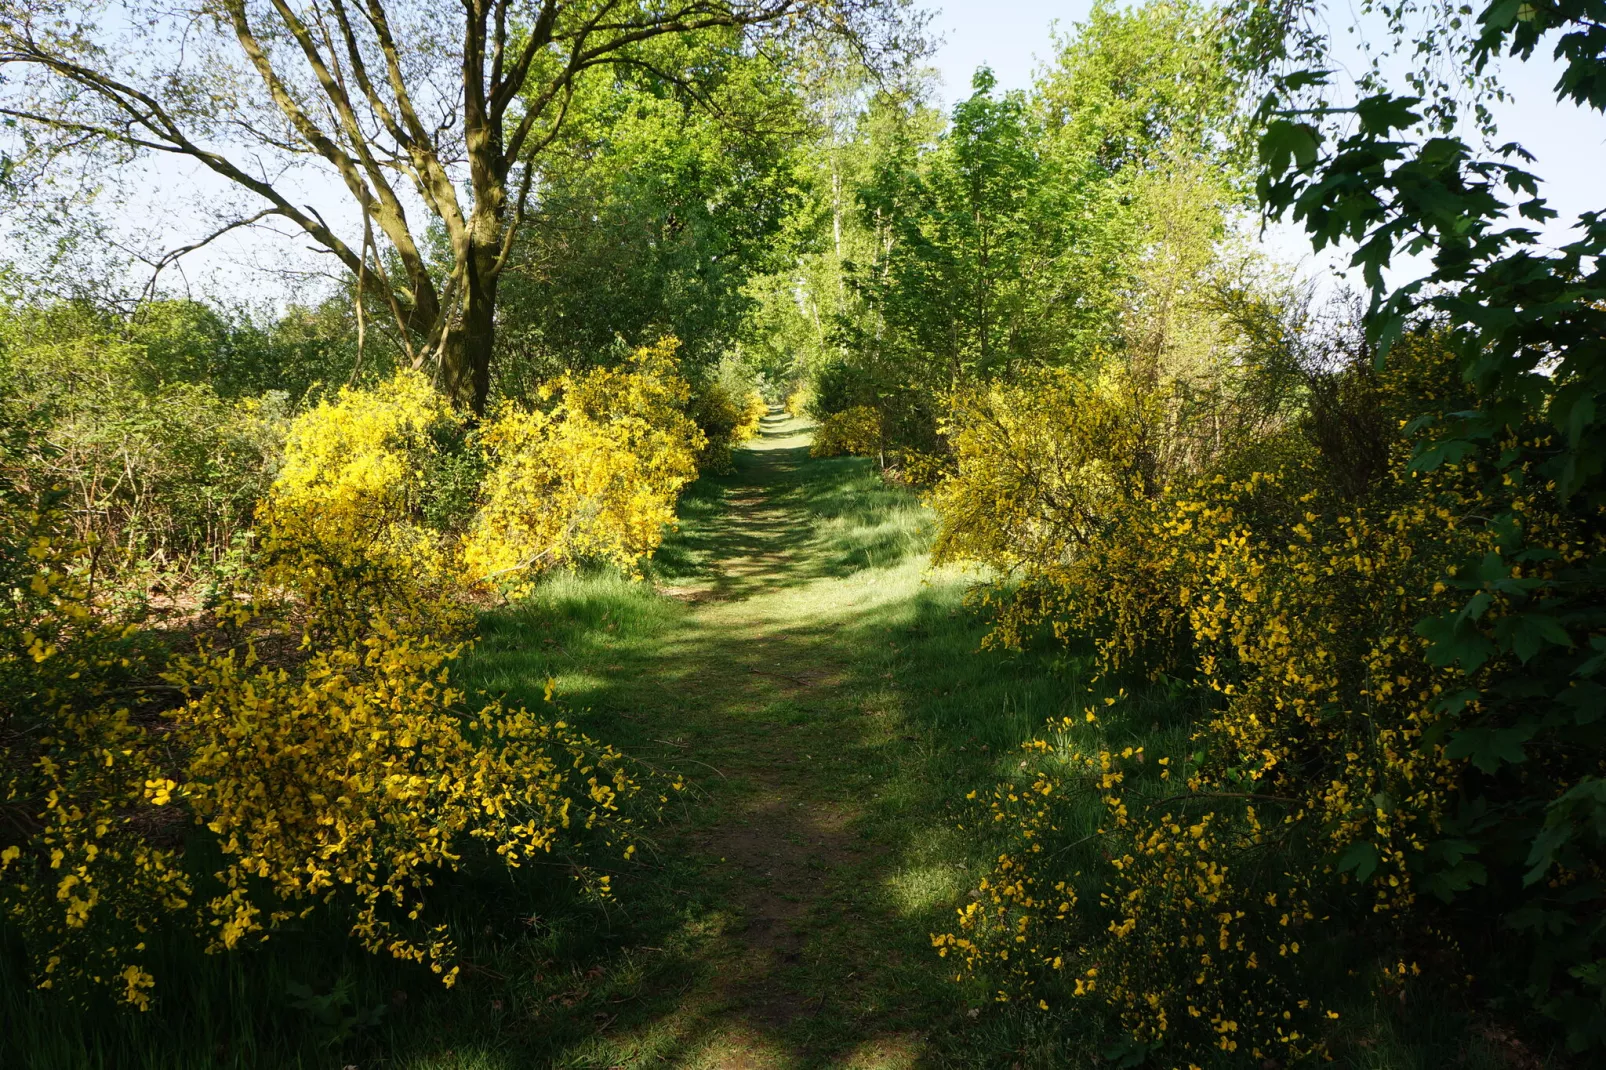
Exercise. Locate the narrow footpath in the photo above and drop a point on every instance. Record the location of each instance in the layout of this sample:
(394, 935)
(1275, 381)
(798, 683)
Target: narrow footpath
(799, 661)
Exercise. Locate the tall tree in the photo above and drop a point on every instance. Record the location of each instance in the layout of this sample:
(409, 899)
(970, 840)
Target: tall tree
(656, 211)
(1021, 237)
(422, 109)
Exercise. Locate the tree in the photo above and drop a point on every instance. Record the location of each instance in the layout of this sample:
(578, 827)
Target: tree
(1059, 227)
(420, 108)
(961, 262)
(657, 211)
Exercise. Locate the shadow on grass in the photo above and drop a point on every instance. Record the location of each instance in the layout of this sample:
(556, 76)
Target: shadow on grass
(784, 520)
(825, 691)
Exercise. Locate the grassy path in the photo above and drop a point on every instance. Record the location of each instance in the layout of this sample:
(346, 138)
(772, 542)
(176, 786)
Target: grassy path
(801, 662)
(820, 686)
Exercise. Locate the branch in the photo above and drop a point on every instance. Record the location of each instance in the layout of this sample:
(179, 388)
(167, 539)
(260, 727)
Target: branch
(184, 250)
(392, 217)
(144, 111)
(443, 193)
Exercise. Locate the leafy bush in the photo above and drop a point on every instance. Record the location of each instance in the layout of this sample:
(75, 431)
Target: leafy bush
(158, 471)
(728, 415)
(596, 477)
(855, 432)
(1390, 170)
(87, 866)
(342, 771)
(363, 775)
(800, 402)
(1344, 771)
(1041, 463)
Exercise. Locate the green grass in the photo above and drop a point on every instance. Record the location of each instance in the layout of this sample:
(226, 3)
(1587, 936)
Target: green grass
(795, 656)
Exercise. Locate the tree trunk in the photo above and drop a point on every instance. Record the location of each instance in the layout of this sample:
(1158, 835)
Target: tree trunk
(465, 355)
(479, 330)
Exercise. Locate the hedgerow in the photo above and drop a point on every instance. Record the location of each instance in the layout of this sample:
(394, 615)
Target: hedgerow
(86, 871)
(1326, 790)
(312, 737)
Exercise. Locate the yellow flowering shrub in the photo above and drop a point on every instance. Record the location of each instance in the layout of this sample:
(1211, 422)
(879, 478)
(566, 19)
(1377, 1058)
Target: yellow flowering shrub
(800, 400)
(1335, 759)
(754, 409)
(349, 773)
(1049, 484)
(728, 416)
(343, 526)
(854, 432)
(1175, 944)
(88, 864)
(363, 776)
(596, 477)
(1041, 464)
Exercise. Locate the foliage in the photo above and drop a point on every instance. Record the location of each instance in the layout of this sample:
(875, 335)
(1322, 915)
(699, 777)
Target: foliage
(658, 204)
(1329, 779)
(803, 314)
(344, 527)
(1141, 89)
(363, 776)
(347, 777)
(728, 413)
(799, 401)
(1192, 940)
(1058, 462)
(159, 470)
(86, 866)
(1040, 465)
(855, 431)
(596, 477)
(1049, 229)
(83, 88)
(970, 238)
(1393, 171)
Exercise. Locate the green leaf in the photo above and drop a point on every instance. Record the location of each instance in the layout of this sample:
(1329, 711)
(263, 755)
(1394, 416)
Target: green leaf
(1444, 884)
(1490, 748)
(1526, 634)
(1361, 858)
(1385, 112)
(1586, 699)
(1455, 640)
(1286, 141)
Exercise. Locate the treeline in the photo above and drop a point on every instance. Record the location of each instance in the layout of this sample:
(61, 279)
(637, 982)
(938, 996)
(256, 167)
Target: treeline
(1352, 548)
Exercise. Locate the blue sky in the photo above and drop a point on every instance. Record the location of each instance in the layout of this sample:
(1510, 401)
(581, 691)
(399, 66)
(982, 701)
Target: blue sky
(1008, 37)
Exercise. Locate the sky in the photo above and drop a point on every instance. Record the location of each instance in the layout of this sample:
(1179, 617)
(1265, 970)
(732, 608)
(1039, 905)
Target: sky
(1009, 37)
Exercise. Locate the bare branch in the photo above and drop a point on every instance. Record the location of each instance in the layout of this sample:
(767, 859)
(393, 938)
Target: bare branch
(173, 255)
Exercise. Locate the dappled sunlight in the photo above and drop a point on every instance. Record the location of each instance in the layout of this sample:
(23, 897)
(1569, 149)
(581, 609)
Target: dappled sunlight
(822, 688)
(894, 1051)
(920, 889)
